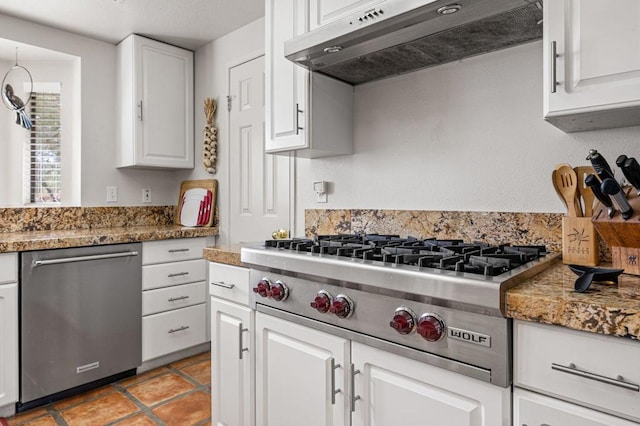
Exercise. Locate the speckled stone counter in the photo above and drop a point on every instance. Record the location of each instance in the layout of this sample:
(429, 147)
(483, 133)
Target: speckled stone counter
(549, 298)
(40, 240)
(229, 255)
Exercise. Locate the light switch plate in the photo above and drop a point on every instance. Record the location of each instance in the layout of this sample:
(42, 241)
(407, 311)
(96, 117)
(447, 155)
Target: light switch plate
(112, 194)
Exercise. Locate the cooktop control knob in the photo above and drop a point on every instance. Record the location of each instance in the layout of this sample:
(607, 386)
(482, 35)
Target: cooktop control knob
(342, 306)
(431, 327)
(263, 287)
(404, 321)
(278, 291)
(322, 302)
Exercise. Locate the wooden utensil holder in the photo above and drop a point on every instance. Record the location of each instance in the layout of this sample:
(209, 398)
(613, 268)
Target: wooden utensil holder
(580, 244)
(623, 236)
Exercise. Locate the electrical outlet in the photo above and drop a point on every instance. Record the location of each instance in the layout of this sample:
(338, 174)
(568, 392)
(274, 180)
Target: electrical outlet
(146, 195)
(112, 194)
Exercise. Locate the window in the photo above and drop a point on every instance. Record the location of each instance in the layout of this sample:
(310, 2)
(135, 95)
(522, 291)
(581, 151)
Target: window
(43, 171)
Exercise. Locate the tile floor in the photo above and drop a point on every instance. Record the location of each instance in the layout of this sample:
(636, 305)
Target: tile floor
(177, 394)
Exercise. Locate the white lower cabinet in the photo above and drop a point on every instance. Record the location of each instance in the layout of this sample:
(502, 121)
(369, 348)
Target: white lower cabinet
(232, 366)
(174, 296)
(305, 376)
(8, 330)
(232, 347)
(579, 378)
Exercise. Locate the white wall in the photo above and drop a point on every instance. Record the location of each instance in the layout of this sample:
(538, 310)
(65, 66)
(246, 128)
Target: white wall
(98, 96)
(463, 136)
(212, 80)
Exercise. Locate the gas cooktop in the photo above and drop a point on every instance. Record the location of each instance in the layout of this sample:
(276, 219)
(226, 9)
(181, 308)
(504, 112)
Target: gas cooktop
(470, 276)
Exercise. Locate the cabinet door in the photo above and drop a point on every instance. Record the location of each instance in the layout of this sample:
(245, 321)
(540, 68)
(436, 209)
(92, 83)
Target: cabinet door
(534, 409)
(232, 352)
(300, 375)
(322, 12)
(393, 390)
(598, 66)
(286, 83)
(165, 89)
(9, 346)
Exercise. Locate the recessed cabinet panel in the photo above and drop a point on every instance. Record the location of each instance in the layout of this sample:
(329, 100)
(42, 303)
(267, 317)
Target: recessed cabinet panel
(593, 80)
(9, 345)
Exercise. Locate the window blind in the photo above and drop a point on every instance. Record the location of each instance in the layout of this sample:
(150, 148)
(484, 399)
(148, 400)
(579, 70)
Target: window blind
(44, 149)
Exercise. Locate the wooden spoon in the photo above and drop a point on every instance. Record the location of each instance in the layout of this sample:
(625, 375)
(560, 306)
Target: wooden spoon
(565, 181)
(585, 191)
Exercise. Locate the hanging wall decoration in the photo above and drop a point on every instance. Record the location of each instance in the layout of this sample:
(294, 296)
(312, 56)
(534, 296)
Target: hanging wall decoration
(11, 100)
(210, 145)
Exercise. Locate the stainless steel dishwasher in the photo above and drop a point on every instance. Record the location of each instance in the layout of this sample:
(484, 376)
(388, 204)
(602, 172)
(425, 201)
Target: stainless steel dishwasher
(80, 320)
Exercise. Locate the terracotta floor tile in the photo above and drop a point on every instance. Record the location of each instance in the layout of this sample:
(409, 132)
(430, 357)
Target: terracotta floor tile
(76, 399)
(191, 360)
(142, 377)
(99, 411)
(201, 372)
(138, 420)
(27, 415)
(160, 389)
(47, 420)
(186, 411)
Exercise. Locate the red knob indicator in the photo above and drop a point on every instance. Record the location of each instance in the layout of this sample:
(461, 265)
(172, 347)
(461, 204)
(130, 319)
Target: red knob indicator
(278, 291)
(404, 321)
(342, 306)
(263, 287)
(322, 302)
(431, 327)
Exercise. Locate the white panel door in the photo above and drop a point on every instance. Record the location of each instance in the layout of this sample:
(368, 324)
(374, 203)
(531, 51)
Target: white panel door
(393, 390)
(259, 183)
(295, 382)
(9, 343)
(598, 64)
(232, 382)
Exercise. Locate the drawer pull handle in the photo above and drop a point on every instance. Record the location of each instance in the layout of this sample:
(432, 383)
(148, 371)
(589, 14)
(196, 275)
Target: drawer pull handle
(177, 274)
(354, 397)
(241, 330)
(178, 250)
(334, 391)
(223, 284)
(618, 381)
(554, 66)
(184, 327)
(174, 299)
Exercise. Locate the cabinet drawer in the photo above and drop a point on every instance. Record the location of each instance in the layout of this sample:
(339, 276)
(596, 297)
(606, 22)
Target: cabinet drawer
(546, 356)
(8, 267)
(172, 331)
(229, 282)
(172, 250)
(169, 298)
(168, 274)
(534, 409)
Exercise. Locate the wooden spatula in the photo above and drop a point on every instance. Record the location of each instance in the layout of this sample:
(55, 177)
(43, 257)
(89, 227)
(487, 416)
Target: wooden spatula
(584, 191)
(565, 181)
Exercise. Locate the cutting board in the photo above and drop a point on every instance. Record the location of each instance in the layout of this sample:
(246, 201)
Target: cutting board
(196, 203)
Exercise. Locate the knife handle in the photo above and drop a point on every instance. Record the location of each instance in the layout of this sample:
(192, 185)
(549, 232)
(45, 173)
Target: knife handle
(632, 168)
(620, 161)
(599, 163)
(592, 182)
(612, 188)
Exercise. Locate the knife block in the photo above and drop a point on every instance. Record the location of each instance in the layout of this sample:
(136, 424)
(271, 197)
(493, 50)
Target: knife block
(580, 244)
(623, 236)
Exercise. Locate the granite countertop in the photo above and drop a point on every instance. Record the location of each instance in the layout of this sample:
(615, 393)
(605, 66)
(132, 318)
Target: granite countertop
(229, 255)
(604, 308)
(40, 240)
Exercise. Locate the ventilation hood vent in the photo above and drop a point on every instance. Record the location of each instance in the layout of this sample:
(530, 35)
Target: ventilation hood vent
(399, 36)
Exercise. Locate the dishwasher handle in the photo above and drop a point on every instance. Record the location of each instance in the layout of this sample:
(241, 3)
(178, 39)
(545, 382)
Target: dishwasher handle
(84, 258)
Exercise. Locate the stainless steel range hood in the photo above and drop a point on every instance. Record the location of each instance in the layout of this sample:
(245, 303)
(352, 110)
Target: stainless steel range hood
(398, 36)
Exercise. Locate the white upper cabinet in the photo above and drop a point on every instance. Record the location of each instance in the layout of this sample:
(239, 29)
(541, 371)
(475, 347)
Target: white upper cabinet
(309, 114)
(322, 12)
(593, 81)
(155, 89)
